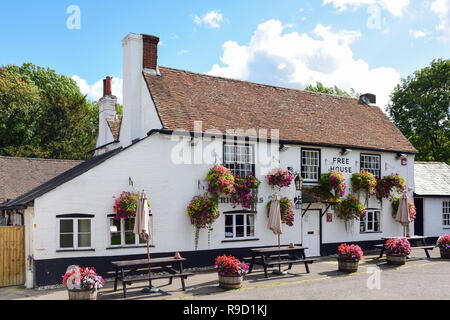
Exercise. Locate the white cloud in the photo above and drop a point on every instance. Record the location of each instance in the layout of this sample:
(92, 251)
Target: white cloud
(418, 33)
(442, 9)
(182, 52)
(296, 60)
(95, 91)
(395, 7)
(211, 19)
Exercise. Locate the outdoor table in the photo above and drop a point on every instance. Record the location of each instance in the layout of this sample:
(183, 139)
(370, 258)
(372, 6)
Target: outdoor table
(417, 242)
(125, 271)
(289, 256)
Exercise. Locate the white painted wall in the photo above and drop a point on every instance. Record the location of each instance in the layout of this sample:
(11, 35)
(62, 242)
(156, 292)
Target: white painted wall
(432, 217)
(170, 187)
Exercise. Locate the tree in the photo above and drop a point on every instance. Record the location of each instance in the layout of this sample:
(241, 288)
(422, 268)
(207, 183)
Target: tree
(319, 87)
(420, 109)
(55, 119)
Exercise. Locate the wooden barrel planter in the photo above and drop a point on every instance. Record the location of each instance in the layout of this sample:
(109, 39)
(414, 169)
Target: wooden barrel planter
(396, 259)
(348, 265)
(230, 282)
(445, 253)
(82, 294)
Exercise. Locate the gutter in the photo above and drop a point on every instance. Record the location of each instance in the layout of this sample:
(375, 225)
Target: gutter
(285, 142)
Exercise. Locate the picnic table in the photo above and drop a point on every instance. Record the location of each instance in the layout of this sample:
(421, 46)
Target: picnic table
(417, 242)
(268, 257)
(125, 271)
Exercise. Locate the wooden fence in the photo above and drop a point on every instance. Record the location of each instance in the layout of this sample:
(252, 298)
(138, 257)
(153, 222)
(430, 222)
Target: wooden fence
(12, 256)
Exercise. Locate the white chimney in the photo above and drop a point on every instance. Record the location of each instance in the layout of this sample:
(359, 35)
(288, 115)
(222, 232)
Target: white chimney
(140, 53)
(107, 111)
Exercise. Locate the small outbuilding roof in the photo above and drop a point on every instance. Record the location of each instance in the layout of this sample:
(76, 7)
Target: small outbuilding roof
(20, 175)
(432, 178)
(25, 199)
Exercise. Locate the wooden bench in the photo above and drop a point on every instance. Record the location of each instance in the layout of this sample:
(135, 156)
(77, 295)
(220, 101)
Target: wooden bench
(125, 271)
(290, 262)
(425, 248)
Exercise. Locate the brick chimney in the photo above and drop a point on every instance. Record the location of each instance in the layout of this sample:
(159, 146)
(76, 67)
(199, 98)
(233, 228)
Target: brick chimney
(107, 111)
(150, 51)
(107, 86)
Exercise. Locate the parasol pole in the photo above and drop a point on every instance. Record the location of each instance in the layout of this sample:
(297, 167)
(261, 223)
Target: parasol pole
(279, 254)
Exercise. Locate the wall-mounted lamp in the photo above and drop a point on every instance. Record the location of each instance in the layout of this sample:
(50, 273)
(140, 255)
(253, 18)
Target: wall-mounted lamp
(345, 152)
(283, 148)
(298, 183)
(400, 155)
(193, 142)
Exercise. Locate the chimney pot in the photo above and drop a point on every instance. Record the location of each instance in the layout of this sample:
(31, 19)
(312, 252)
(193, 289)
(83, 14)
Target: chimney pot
(150, 51)
(107, 86)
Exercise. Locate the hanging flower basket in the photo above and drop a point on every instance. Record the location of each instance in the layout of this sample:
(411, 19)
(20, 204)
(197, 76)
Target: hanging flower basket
(221, 181)
(349, 257)
(443, 244)
(388, 184)
(202, 212)
(245, 194)
(125, 205)
(335, 181)
(286, 211)
(411, 208)
(397, 250)
(364, 181)
(350, 209)
(279, 178)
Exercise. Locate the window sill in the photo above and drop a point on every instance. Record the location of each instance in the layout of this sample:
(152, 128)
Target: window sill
(129, 247)
(75, 250)
(240, 240)
(370, 232)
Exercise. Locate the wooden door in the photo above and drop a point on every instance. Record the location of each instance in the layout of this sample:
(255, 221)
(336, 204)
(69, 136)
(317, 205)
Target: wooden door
(12, 256)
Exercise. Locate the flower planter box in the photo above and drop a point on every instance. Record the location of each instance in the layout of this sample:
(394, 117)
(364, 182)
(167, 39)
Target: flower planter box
(348, 265)
(396, 259)
(445, 253)
(230, 282)
(82, 294)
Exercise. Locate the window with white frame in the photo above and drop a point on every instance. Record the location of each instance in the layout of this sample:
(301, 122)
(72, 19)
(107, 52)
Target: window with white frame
(310, 165)
(74, 233)
(446, 213)
(372, 164)
(121, 233)
(240, 159)
(239, 225)
(371, 222)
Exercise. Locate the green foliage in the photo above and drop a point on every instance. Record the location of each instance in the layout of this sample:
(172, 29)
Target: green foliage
(420, 109)
(44, 115)
(319, 87)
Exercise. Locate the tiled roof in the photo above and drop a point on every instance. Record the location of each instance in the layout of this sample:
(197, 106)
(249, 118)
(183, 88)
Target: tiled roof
(19, 175)
(432, 178)
(182, 97)
(75, 171)
(114, 126)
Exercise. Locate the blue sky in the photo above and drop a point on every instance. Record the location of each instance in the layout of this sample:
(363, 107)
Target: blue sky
(363, 44)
